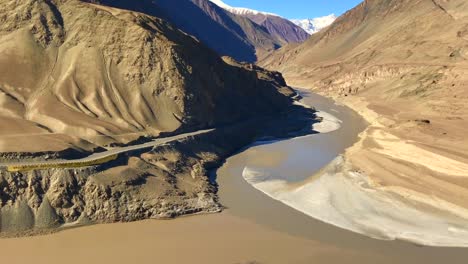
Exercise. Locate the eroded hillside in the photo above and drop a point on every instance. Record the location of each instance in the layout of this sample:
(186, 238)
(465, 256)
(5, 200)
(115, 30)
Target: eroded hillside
(79, 75)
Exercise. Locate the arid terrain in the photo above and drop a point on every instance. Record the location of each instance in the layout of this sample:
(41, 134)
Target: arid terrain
(281, 29)
(78, 81)
(122, 111)
(402, 65)
(79, 78)
(228, 33)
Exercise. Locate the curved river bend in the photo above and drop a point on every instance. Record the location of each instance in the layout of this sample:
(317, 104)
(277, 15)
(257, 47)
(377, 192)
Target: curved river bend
(254, 229)
(294, 161)
(291, 160)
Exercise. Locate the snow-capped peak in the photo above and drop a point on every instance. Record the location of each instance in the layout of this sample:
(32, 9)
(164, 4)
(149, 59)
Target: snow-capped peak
(239, 10)
(221, 4)
(310, 25)
(314, 25)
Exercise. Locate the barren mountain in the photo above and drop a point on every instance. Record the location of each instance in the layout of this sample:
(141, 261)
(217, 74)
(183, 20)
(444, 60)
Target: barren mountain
(104, 75)
(226, 33)
(283, 30)
(403, 65)
(280, 28)
(75, 76)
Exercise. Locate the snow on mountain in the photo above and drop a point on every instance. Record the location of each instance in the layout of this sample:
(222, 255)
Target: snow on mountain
(310, 25)
(240, 10)
(221, 4)
(279, 28)
(314, 25)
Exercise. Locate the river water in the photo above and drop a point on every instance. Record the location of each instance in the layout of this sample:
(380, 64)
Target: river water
(253, 229)
(295, 160)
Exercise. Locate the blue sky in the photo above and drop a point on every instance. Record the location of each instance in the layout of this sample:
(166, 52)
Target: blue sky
(297, 8)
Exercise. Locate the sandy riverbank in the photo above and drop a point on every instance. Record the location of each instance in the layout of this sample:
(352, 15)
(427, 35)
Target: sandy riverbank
(415, 158)
(402, 66)
(349, 197)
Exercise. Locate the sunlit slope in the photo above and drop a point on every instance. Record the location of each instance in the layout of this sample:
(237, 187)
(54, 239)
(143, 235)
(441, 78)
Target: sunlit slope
(90, 73)
(378, 33)
(402, 64)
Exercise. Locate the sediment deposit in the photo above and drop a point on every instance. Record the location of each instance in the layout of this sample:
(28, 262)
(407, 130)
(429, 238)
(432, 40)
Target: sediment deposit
(402, 65)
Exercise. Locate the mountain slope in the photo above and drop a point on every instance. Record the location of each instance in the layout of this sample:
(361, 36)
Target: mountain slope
(378, 33)
(78, 76)
(226, 33)
(282, 30)
(402, 64)
(101, 75)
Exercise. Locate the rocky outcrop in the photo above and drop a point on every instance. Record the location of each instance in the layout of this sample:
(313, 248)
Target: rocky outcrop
(165, 182)
(168, 181)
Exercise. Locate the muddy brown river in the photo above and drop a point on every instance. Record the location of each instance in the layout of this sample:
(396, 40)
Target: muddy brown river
(254, 228)
(295, 160)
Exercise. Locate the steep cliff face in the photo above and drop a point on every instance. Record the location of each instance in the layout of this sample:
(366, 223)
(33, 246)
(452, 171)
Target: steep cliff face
(80, 75)
(165, 182)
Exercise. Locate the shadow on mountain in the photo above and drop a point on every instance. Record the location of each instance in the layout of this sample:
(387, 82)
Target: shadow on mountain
(207, 22)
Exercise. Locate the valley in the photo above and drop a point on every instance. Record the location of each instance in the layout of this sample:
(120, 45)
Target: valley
(256, 222)
(170, 131)
(106, 131)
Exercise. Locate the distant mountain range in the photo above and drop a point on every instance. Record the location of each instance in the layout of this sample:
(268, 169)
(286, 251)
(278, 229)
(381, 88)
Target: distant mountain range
(281, 29)
(240, 10)
(274, 21)
(314, 25)
(227, 33)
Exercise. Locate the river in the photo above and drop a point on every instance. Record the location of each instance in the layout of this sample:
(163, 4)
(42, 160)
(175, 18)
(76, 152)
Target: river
(254, 229)
(295, 160)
